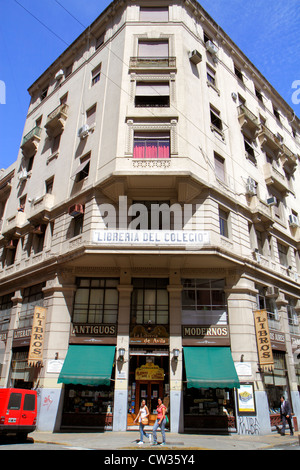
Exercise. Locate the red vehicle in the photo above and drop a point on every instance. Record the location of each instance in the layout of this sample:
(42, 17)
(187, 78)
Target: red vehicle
(18, 411)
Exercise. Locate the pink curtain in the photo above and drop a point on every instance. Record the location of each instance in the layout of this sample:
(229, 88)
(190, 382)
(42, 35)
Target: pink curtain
(151, 149)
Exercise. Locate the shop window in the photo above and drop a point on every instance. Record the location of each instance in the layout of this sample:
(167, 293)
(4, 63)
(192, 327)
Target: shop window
(22, 375)
(96, 301)
(276, 383)
(204, 302)
(150, 302)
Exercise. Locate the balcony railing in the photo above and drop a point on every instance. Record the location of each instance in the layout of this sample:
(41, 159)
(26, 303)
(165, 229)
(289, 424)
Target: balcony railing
(152, 62)
(35, 132)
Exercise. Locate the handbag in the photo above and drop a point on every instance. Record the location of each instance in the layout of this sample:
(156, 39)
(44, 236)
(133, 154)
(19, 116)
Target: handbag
(145, 421)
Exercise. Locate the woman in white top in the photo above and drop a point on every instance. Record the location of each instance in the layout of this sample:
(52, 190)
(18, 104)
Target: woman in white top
(142, 418)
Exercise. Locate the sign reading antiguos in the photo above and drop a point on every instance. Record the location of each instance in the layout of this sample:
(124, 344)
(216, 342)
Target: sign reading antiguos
(35, 356)
(264, 346)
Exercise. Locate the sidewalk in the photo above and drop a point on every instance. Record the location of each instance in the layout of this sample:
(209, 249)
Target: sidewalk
(128, 441)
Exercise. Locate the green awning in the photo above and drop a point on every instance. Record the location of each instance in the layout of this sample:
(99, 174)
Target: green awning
(210, 368)
(87, 365)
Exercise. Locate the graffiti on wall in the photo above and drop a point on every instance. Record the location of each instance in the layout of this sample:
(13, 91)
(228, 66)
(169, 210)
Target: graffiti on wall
(248, 425)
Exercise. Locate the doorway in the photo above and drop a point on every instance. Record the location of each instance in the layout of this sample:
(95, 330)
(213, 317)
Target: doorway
(149, 391)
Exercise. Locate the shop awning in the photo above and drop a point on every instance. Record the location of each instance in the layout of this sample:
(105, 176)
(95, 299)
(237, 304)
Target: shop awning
(88, 365)
(210, 368)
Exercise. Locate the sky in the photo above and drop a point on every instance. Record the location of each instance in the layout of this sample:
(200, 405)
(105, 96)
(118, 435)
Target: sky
(33, 33)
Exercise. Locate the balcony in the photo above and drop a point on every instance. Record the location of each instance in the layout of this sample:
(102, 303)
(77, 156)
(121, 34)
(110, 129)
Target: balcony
(31, 141)
(267, 138)
(41, 209)
(248, 120)
(146, 63)
(56, 120)
(13, 224)
(261, 214)
(289, 159)
(275, 179)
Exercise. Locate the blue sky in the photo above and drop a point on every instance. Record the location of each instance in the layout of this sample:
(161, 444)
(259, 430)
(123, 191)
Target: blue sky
(267, 31)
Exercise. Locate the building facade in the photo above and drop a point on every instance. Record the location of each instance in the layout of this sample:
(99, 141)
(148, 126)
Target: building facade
(150, 231)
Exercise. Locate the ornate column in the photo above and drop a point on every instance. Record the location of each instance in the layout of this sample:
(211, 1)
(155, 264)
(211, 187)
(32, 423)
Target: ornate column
(122, 366)
(176, 362)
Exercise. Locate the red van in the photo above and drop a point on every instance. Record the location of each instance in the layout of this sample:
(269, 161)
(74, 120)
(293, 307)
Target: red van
(18, 411)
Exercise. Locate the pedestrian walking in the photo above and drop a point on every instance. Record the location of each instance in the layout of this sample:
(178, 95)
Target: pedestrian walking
(143, 419)
(286, 415)
(160, 423)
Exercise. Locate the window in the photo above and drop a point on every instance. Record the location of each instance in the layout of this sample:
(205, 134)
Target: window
(55, 144)
(82, 171)
(22, 203)
(238, 73)
(283, 254)
(91, 116)
(223, 221)
(32, 296)
(219, 167)
(156, 215)
(151, 145)
(211, 75)
(259, 95)
(150, 302)
(44, 94)
(77, 225)
(268, 303)
(215, 119)
(250, 154)
(49, 185)
(276, 113)
(153, 49)
(204, 302)
(96, 301)
(292, 316)
(100, 40)
(154, 14)
(6, 305)
(152, 94)
(96, 75)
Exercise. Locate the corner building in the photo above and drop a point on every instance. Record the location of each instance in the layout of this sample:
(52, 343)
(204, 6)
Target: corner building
(148, 226)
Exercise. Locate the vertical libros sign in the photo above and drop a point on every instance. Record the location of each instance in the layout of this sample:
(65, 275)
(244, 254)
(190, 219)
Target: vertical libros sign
(264, 346)
(35, 356)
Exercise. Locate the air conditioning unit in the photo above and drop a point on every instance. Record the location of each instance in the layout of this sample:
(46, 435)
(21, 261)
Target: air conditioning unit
(211, 47)
(195, 57)
(83, 131)
(23, 175)
(59, 75)
(272, 291)
(293, 220)
(272, 201)
(76, 210)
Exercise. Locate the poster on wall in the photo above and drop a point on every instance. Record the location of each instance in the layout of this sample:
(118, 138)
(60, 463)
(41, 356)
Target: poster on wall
(245, 399)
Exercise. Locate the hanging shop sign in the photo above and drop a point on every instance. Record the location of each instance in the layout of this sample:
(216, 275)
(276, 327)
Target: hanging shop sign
(263, 339)
(35, 356)
(149, 371)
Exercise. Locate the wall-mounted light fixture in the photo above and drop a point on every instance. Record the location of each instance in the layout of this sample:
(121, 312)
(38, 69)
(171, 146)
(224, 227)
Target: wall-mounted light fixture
(176, 353)
(121, 354)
